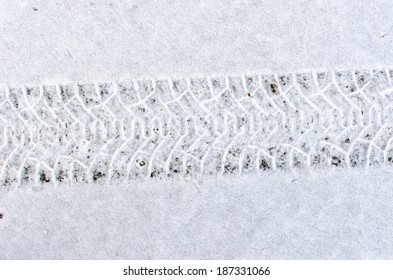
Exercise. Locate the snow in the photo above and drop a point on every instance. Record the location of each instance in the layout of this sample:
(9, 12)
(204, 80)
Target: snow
(332, 213)
(82, 41)
(311, 215)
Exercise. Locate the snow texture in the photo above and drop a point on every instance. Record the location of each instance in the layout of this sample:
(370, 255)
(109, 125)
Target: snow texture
(321, 215)
(199, 129)
(81, 41)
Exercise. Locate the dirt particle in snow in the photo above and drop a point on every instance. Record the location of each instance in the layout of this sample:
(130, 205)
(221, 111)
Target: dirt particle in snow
(229, 168)
(98, 175)
(61, 176)
(336, 161)
(1, 215)
(283, 80)
(26, 172)
(264, 165)
(273, 88)
(44, 177)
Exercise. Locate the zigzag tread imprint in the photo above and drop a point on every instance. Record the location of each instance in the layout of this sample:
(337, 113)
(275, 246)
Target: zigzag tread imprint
(192, 127)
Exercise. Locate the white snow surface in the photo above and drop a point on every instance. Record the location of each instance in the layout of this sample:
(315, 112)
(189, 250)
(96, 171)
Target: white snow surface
(340, 210)
(80, 41)
(330, 215)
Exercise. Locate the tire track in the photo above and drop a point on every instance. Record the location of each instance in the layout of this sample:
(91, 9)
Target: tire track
(188, 128)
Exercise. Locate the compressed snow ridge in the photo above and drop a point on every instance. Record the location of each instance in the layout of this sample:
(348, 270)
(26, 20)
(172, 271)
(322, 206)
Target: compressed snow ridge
(113, 132)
